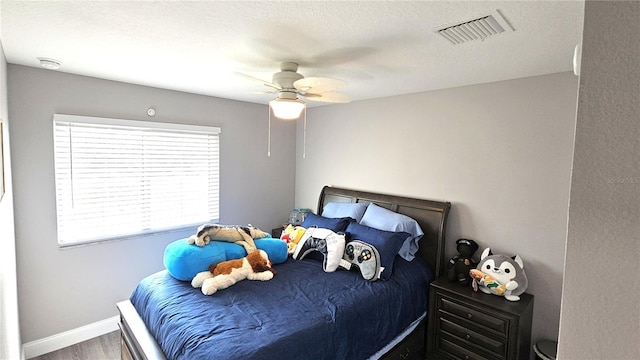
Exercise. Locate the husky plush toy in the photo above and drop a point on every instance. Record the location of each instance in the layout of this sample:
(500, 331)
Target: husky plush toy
(241, 235)
(500, 275)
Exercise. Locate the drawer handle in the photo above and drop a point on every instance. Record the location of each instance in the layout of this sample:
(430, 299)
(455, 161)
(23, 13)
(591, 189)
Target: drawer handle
(405, 354)
(469, 316)
(468, 336)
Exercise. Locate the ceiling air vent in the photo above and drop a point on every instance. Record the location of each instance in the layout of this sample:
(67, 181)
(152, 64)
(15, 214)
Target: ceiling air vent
(479, 28)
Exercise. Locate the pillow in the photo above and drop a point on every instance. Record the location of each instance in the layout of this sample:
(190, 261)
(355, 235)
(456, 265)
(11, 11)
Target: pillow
(339, 210)
(337, 225)
(386, 242)
(184, 261)
(384, 219)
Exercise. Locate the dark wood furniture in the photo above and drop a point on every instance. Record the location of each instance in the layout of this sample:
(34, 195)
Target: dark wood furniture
(464, 324)
(138, 343)
(276, 232)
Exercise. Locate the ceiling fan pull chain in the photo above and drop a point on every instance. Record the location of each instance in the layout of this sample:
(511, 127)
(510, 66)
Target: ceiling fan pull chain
(269, 134)
(304, 135)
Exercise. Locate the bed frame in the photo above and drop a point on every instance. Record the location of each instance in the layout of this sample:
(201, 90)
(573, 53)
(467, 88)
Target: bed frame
(137, 342)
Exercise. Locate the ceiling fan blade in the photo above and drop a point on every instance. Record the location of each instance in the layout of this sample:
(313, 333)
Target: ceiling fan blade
(318, 85)
(328, 97)
(265, 83)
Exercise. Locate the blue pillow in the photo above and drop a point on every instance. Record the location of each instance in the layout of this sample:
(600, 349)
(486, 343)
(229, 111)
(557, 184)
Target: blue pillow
(184, 261)
(384, 219)
(337, 225)
(339, 210)
(386, 242)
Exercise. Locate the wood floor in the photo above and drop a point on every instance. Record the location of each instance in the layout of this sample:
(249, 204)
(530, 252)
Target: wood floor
(105, 347)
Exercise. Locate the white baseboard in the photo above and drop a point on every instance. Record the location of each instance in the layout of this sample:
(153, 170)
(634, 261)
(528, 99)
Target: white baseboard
(68, 338)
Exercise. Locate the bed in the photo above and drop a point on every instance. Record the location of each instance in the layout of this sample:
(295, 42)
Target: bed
(326, 315)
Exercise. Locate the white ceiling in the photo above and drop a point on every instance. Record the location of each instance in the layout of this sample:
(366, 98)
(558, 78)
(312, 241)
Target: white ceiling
(380, 48)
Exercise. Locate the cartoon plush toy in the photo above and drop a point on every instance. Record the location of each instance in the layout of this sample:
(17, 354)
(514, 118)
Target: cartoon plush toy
(292, 235)
(500, 275)
(255, 266)
(458, 267)
(241, 235)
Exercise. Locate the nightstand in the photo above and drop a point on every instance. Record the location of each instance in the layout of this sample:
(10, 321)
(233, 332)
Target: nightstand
(275, 233)
(464, 324)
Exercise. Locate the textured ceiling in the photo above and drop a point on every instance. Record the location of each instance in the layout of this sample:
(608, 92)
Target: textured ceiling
(380, 48)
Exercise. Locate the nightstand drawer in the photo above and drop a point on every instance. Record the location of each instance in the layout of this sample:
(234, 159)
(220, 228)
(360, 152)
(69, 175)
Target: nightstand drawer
(455, 351)
(489, 321)
(464, 334)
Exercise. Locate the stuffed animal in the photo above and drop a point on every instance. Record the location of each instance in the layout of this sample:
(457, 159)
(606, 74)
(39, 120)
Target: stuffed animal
(459, 266)
(241, 235)
(500, 275)
(255, 266)
(184, 261)
(292, 235)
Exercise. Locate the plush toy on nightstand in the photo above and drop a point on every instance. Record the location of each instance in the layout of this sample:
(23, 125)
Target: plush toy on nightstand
(459, 266)
(500, 275)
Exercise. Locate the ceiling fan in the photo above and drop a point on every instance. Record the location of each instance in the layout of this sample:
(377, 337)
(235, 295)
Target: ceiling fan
(289, 85)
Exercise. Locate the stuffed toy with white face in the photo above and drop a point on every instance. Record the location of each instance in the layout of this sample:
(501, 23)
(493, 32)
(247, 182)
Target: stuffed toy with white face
(500, 275)
(255, 266)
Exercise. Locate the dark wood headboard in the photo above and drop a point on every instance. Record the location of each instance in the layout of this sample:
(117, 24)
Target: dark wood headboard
(430, 214)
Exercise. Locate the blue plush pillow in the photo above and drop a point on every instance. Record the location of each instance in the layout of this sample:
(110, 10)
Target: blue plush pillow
(337, 225)
(340, 210)
(384, 219)
(184, 261)
(386, 242)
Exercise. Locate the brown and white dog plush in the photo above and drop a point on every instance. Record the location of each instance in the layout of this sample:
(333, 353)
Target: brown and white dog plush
(241, 235)
(255, 266)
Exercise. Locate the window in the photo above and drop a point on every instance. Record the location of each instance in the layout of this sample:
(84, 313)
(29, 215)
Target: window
(121, 178)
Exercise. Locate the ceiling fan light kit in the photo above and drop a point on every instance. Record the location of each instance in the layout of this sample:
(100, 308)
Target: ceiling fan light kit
(290, 85)
(287, 109)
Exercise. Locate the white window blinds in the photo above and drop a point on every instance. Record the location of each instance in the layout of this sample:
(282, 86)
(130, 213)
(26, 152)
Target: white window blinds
(121, 178)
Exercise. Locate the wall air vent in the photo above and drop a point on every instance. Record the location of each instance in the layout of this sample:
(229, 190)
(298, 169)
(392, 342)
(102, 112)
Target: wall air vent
(478, 28)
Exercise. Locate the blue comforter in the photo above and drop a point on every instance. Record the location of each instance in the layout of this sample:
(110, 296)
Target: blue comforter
(302, 313)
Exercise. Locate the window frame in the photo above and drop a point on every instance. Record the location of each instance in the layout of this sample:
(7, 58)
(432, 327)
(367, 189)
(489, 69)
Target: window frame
(212, 140)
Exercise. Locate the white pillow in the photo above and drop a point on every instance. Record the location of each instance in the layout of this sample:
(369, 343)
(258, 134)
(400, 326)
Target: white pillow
(340, 210)
(384, 219)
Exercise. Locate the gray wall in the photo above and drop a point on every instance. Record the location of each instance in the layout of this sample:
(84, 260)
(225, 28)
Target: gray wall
(10, 344)
(500, 152)
(62, 289)
(510, 194)
(600, 310)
